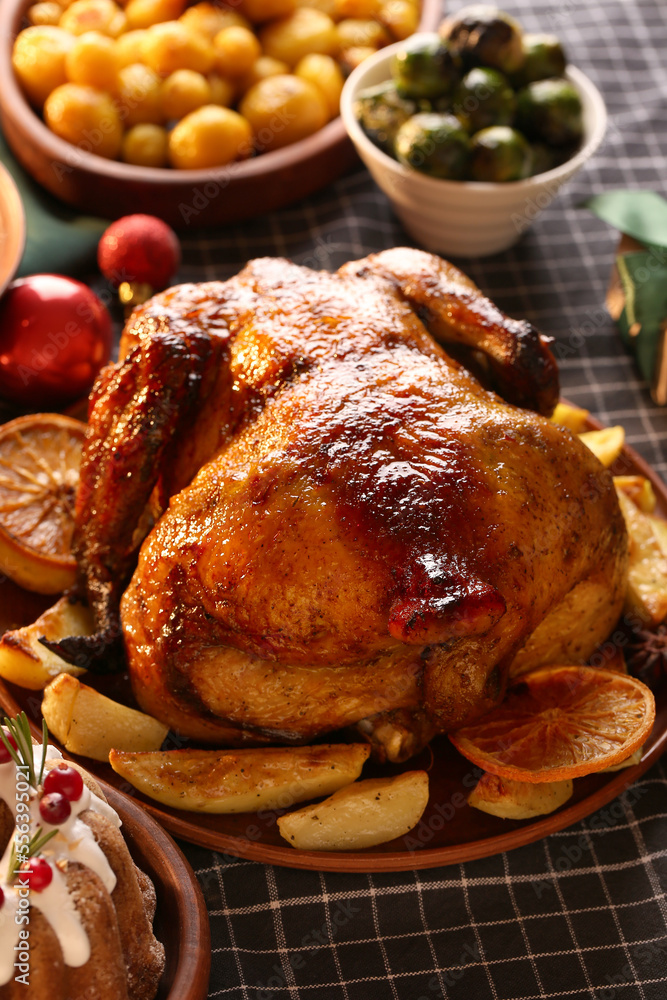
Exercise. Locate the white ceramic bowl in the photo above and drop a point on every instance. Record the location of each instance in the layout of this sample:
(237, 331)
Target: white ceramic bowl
(465, 218)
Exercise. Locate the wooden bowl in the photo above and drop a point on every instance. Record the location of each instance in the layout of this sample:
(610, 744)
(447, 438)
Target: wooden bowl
(180, 197)
(181, 920)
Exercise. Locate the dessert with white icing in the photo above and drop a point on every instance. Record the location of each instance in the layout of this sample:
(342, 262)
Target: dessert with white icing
(75, 912)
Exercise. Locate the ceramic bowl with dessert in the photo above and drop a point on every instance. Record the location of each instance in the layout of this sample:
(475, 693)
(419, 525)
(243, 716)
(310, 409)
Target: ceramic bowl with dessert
(86, 880)
(199, 113)
(472, 131)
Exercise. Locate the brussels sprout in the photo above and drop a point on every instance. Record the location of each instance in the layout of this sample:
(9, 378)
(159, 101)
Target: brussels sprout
(547, 157)
(381, 112)
(485, 36)
(544, 158)
(483, 98)
(543, 57)
(550, 110)
(434, 144)
(425, 68)
(500, 154)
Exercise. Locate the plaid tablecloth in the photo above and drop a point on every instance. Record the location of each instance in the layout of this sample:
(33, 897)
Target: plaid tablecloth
(583, 913)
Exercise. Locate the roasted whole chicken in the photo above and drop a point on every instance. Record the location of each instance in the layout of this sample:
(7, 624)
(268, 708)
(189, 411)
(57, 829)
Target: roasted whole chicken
(340, 524)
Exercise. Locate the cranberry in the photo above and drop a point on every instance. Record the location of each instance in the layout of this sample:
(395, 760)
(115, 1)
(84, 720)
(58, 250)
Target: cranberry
(5, 755)
(54, 808)
(37, 873)
(66, 781)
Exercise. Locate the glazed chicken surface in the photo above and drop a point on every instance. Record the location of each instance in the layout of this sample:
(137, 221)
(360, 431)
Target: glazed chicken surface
(341, 525)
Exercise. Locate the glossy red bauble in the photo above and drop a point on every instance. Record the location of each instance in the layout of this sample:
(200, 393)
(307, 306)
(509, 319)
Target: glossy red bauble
(55, 335)
(139, 249)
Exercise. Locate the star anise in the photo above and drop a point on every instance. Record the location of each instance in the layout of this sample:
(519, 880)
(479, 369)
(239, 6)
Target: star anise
(647, 655)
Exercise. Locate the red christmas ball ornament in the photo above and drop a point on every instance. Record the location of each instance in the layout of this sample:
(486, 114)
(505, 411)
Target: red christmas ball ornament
(139, 250)
(55, 335)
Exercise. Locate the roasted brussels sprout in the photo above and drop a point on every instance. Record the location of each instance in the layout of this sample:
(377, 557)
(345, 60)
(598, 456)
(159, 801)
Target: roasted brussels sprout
(544, 158)
(500, 154)
(485, 36)
(381, 112)
(484, 98)
(548, 157)
(434, 144)
(543, 58)
(550, 110)
(425, 68)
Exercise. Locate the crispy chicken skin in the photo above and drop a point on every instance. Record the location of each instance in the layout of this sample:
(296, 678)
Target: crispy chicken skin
(355, 530)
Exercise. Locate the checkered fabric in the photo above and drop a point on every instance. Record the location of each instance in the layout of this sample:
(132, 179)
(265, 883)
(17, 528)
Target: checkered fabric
(583, 913)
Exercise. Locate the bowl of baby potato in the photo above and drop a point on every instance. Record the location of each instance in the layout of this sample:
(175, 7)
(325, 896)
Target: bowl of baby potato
(201, 113)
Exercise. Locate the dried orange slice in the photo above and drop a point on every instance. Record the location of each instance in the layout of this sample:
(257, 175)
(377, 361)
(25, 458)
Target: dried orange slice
(560, 722)
(40, 456)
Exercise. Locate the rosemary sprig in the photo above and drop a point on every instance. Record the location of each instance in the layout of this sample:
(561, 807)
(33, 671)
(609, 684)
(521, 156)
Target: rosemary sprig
(24, 754)
(37, 842)
(45, 743)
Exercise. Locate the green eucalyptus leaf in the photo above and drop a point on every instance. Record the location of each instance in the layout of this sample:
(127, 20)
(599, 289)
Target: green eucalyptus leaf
(640, 214)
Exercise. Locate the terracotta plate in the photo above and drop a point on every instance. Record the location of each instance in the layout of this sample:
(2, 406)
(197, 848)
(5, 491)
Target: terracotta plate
(450, 831)
(181, 921)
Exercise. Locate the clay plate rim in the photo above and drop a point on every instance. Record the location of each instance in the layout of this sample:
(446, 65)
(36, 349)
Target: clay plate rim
(516, 834)
(182, 923)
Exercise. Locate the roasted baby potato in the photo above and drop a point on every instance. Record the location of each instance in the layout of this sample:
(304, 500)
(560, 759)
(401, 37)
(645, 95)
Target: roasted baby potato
(235, 781)
(299, 102)
(23, 658)
(306, 30)
(88, 723)
(362, 815)
(518, 799)
(606, 444)
(647, 572)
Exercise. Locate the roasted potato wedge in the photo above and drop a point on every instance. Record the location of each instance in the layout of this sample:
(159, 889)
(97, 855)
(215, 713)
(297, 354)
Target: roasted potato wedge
(26, 662)
(518, 799)
(647, 572)
(634, 758)
(606, 444)
(640, 491)
(88, 723)
(235, 781)
(571, 417)
(362, 815)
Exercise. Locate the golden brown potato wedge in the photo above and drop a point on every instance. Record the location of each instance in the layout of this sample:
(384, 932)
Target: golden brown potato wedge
(235, 781)
(26, 662)
(571, 417)
(634, 758)
(647, 571)
(606, 444)
(639, 489)
(362, 815)
(88, 723)
(518, 799)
